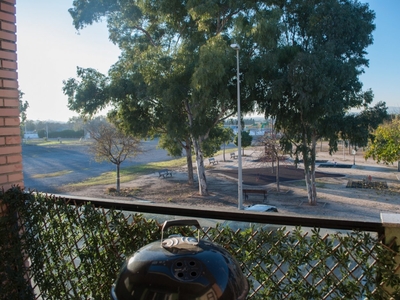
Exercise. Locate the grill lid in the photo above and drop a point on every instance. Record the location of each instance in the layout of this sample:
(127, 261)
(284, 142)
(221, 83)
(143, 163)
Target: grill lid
(180, 268)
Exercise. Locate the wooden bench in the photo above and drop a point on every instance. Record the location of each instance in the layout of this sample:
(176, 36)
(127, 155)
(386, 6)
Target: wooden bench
(164, 173)
(254, 191)
(233, 155)
(212, 160)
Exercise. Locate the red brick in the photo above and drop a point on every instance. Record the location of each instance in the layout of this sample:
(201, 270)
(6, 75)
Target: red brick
(7, 17)
(13, 140)
(8, 64)
(10, 131)
(12, 159)
(11, 103)
(16, 178)
(1, 123)
(11, 93)
(11, 121)
(8, 46)
(6, 26)
(10, 84)
(8, 36)
(3, 180)
(7, 8)
(3, 160)
(9, 112)
(8, 55)
(2, 140)
(13, 2)
(8, 74)
(10, 168)
(6, 150)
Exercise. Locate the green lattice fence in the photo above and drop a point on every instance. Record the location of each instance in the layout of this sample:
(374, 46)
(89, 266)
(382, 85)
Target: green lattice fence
(58, 250)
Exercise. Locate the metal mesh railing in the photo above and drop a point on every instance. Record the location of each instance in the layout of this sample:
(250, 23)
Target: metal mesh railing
(68, 250)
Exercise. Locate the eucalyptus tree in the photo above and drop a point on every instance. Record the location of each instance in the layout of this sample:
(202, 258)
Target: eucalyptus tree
(176, 72)
(312, 78)
(358, 128)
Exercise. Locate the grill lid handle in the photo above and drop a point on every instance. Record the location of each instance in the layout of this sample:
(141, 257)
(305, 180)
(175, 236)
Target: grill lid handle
(184, 222)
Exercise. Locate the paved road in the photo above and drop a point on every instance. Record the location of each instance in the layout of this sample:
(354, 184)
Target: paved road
(75, 159)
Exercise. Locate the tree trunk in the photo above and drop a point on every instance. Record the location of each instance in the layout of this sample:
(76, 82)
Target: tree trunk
(309, 170)
(223, 152)
(313, 183)
(189, 161)
(277, 174)
(201, 175)
(196, 142)
(309, 185)
(118, 179)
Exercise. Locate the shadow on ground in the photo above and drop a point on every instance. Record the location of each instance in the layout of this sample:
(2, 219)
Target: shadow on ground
(264, 176)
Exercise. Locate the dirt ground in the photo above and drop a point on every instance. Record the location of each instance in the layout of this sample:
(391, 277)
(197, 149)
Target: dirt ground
(335, 199)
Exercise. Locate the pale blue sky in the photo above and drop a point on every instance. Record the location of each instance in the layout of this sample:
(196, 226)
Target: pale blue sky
(49, 50)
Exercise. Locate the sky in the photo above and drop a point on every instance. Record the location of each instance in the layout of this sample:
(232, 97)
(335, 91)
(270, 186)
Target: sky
(49, 49)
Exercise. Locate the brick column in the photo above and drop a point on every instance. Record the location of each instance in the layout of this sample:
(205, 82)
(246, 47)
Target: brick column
(391, 223)
(10, 138)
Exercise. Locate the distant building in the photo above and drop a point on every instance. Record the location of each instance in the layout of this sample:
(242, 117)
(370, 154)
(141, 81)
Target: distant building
(31, 135)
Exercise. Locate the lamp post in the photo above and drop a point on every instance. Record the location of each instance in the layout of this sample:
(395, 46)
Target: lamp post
(240, 190)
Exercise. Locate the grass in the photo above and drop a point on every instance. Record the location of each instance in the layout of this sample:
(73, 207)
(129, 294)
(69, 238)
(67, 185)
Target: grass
(53, 142)
(55, 174)
(126, 174)
(131, 173)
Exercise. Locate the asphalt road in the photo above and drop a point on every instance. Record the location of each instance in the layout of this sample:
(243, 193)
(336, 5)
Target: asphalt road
(75, 162)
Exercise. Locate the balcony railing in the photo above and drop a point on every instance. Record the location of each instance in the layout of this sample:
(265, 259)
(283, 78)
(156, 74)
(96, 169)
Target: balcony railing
(55, 247)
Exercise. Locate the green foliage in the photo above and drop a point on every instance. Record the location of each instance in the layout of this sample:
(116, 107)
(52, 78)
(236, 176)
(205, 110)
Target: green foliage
(358, 128)
(176, 72)
(66, 134)
(23, 107)
(311, 78)
(385, 143)
(246, 139)
(76, 251)
(218, 135)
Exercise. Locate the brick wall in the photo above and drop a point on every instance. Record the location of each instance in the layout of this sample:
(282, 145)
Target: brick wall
(10, 139)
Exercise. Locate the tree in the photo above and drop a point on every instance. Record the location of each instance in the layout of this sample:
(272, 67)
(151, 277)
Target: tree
(357, 127)
(385, 143)
(110, 144)
(311, 79)
(218, 136)
(246, 140)
(272, 152)
(23, 107)
(227, 136)
(176, 72)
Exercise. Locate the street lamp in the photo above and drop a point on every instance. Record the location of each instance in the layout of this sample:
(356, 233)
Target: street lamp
(240, 191)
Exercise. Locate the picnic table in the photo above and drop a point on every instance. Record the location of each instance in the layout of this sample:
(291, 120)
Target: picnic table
(164, 173)
(233, 155)
(212, 160)
(255, 191)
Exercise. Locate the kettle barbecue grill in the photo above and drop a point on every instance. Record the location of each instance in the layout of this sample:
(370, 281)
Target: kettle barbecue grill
(180, 268)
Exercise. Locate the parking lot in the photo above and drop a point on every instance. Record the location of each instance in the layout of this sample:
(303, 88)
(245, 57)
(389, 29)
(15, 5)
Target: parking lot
(46, 168)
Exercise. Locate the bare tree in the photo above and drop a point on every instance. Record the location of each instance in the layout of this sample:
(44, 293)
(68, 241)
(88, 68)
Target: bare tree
(110, 144)
(272, 152)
